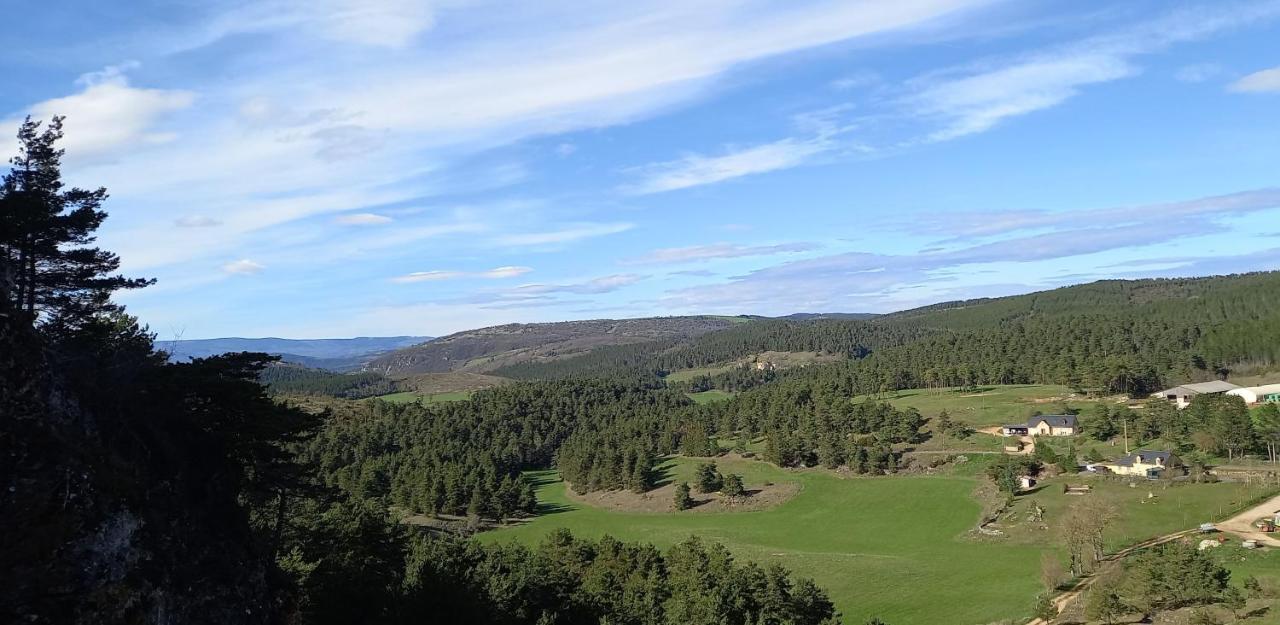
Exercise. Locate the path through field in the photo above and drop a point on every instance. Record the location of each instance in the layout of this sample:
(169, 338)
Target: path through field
(1240, 524)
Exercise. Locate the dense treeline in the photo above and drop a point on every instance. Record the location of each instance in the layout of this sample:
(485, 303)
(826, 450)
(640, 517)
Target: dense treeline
(143, 491)
(852, 338)
(1119, 336)
(466, 457)
(286, 379)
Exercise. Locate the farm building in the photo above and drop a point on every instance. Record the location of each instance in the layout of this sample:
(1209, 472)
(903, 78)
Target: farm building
(1149, 464)
(1182, 395)
(1044, 425)
(1269, 393)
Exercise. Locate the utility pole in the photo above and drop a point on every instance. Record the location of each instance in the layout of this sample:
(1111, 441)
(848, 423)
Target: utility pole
(1126, 436)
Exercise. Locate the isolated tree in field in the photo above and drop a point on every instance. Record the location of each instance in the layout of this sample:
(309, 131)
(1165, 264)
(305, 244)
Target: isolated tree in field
(1266, 421)
(733, 487)
(1044, 608)
(1051, 571)
(683, 500)
(1006, 470)
(1104, 604)
(708, 479)
(1082, 532)
(45, 231)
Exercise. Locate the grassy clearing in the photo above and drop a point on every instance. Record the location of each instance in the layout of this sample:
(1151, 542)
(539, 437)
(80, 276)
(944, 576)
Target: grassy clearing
(684, 375)
(875, 544)
(416, 397)
(1174, 507)
(706, 397)
(990, 405)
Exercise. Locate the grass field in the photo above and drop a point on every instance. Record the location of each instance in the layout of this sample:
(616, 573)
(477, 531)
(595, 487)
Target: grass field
(434, 398)
(706, 397)
(991, 405)
(878, 545)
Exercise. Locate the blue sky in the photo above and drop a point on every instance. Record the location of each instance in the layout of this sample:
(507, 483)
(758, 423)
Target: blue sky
(375, 167)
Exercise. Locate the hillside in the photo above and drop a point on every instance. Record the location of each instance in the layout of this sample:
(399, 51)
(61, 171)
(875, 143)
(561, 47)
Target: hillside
(1124, 336)
(333, 354)
(487, 349)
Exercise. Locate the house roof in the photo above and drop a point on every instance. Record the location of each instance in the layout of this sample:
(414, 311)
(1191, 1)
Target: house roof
(1148, 456)
(1054, 420)
(1215, 386)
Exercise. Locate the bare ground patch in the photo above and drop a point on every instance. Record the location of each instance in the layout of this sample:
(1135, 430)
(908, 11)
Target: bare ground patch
(662, 499)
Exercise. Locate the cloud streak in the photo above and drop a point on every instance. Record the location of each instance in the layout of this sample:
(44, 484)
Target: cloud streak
(701, 253)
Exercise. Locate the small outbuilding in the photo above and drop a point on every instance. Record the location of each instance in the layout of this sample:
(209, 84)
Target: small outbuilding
(1182, 395)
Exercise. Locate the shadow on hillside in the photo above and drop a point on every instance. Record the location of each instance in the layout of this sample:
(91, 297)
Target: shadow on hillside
(664, 473)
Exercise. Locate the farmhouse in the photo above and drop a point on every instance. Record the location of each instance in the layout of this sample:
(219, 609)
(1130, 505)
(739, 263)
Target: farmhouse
(1044, 425)
(1182, 395)
(1269, 393)
(1149, 464)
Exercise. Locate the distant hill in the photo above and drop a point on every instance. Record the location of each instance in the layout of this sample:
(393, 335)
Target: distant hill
(486, 349)
(812, 316)
(333, 354)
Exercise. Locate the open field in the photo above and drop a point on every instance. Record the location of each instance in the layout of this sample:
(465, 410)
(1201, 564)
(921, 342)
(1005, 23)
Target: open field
(706, 397)
(871, 542)
(435, 398)
(990, 405)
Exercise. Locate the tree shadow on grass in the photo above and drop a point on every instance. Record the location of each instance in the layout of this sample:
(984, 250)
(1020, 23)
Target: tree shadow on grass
(664, 473)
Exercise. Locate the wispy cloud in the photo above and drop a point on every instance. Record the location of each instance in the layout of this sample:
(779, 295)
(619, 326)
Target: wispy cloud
(1257, 82)
(699, 253)
(491, 274)
(697, 170)
(567, 234)
(243, 266)
(362, 219)
(975, 98)
(196, 221)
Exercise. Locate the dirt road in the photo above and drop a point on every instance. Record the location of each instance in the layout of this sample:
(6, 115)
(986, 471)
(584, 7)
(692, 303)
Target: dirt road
(1242, 524)
(1028, 442)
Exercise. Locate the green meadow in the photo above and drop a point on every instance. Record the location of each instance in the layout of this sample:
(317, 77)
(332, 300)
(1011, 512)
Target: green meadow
(706, 397)
(894, 547)
(989, 405)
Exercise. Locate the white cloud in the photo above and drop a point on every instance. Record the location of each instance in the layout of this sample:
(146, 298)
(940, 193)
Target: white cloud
(361, 219)
(1265, 80)
(243, 266)
(696, 169)
(108, 114)
(975, 98)
(506, 272)
(568, 234)
(427, 276)
(196, 221)
(497, 273)
(697, 253)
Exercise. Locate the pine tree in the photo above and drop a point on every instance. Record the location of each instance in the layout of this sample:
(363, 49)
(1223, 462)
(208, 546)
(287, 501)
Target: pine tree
(44, 234)
(708, 479)
(733, 487)
(683, 500)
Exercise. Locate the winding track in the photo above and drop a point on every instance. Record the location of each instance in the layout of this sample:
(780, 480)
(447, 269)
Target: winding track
(1242, 521)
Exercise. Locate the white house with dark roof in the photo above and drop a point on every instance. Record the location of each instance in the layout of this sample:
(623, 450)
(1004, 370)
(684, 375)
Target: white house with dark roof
(1182, 395)
(1044, 425)
(1145, 463)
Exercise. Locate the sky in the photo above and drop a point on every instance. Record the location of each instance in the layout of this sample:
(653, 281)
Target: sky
(331, 168)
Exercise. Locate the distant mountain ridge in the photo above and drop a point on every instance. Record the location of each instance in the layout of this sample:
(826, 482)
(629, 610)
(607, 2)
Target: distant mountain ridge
(335, 354)
(486, 349)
